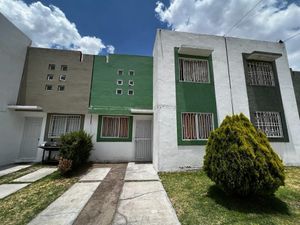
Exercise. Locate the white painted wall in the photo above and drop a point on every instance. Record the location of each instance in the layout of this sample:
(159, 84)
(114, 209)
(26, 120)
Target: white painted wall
(167, 154)
(110, 151)
(13, 47)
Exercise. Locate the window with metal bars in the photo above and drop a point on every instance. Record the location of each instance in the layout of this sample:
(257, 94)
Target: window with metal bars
(62, 124)
(115, 127)
(269, 123)
(196, 126)
(193, 70)
(260, 73)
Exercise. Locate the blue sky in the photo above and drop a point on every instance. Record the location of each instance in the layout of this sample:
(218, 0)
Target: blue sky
(128, 25)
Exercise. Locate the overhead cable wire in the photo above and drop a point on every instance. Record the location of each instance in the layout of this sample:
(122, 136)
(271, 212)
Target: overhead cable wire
(243, 17)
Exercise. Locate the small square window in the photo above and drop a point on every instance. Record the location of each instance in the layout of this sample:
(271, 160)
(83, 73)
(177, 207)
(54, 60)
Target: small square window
(62, 77)
(50, 77)
(61, 87)
(131, 83)
(130, 92)
(48, 87)
(119, 82)
(119, 92)
(64, 67)
(51, 67)
(131, 73)
(120, 72)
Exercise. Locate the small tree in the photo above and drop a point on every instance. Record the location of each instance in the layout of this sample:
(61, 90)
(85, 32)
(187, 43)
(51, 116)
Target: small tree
(75, 150)
(240, 159)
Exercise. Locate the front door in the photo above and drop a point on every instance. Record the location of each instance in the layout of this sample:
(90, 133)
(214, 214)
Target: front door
(31, 134)
(143, 140)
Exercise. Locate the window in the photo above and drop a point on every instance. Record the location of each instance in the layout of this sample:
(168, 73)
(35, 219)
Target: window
(119, 82)
(48, 87)
(196, 126)
(50, 77)
(193, 70)
(260, 73)
(62, 77)
(61, 87)
(130, 92)
(51, 67)
(119, 92)
(115, 127)
(131, 83)
(62, 124)
(131, 72)
(120, 72)
(64, 67)
(269, 123)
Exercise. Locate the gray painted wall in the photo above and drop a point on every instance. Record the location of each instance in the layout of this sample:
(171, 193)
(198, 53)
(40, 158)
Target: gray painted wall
(13, 47)
(74, 99)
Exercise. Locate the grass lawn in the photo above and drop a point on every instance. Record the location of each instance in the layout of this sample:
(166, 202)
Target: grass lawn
(22, 206)
(198, 201)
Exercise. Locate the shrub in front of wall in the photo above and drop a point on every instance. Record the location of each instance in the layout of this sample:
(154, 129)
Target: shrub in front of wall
(75, 150)
(240, 159)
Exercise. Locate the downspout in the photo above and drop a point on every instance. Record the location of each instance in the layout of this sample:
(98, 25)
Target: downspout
(229, 76)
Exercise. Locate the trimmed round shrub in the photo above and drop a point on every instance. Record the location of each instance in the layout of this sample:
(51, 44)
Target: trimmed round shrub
(240, 159)
(75, 150)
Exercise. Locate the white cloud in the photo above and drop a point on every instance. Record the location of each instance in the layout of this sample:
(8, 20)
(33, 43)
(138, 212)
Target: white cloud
(48, 26)
(110, 49)
(271, 20)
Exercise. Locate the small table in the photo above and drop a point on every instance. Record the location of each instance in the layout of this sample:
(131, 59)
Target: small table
(50, 149)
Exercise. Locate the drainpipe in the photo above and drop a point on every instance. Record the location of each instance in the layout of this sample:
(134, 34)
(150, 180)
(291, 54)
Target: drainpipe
(228, 70)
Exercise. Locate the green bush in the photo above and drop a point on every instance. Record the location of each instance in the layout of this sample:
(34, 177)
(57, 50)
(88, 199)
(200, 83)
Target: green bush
(75, 150)
(240, 159)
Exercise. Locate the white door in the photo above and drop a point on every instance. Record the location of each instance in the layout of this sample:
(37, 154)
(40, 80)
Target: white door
(143, 140)
(31, 134)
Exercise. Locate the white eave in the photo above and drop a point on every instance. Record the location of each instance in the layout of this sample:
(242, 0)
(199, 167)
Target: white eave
(195, 50)
(141, 111)
(25, 107)
(264, 56)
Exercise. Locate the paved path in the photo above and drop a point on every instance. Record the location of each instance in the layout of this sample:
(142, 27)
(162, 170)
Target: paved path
(36, 175)
(96, 174)
(8, 189)
(12, 169)
(102, 206)
(65, 209)
(144, 201)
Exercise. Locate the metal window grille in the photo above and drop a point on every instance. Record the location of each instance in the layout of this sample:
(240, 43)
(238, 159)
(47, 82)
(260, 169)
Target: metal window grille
(269, 123)
(62, 124)
(193, 70)
(260, 73)
(197, 126)
(115, 127)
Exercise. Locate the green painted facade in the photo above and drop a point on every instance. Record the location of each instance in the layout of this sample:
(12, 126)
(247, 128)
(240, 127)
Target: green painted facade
(194, 97)
(105, 101)
(296, 84)
(266, 98)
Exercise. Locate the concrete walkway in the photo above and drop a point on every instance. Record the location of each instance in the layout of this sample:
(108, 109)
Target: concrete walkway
(36, 175)
(8, 189)
(66, 208)
(144, 200)
(12, 169)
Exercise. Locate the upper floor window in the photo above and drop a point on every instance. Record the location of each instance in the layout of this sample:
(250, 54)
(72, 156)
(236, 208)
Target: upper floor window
(50, 77)
(64, 67)
(62, 124)
(193, 70)
(61, 87)
(120, 72)
(119, 82)
(119, 91)
(196, 126)
(131, 72)
(62, 77)
(51, 67)
(269, 123)
(260, 73)
(48, 87)
(131, 83)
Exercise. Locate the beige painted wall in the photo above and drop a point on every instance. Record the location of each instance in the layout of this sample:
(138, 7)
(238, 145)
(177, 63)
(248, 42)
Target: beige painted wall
(74, 99)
